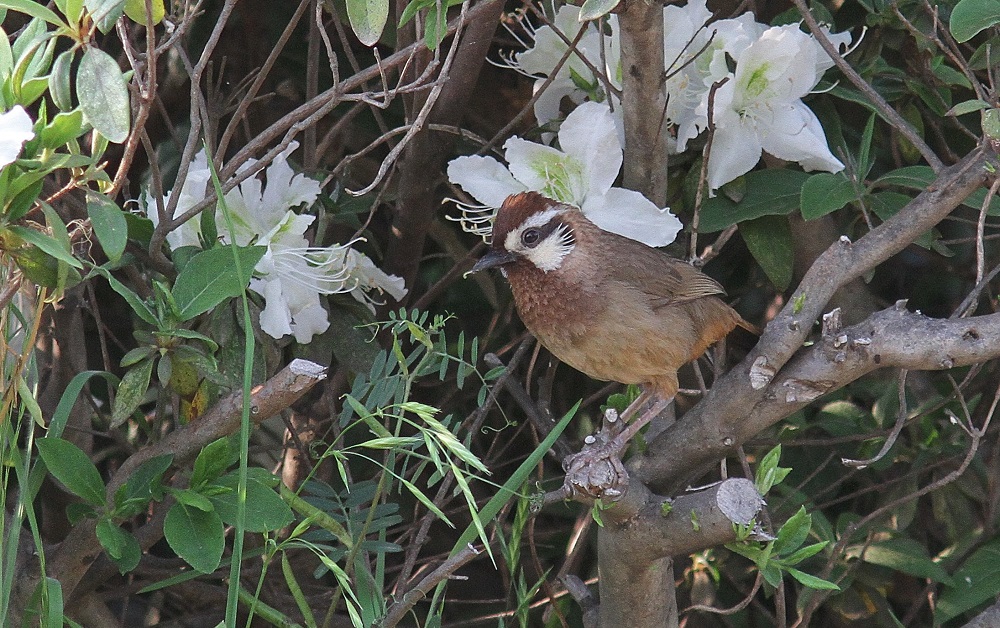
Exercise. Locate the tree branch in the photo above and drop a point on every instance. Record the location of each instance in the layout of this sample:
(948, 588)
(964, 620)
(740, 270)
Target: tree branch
(644, 99)
(716, 426)
(647, 530)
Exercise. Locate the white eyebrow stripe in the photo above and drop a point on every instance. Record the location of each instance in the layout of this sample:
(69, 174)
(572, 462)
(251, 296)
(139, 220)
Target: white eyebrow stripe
(513, 240)
(541, 219)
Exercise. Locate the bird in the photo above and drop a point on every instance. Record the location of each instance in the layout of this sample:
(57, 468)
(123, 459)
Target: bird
(608, 306)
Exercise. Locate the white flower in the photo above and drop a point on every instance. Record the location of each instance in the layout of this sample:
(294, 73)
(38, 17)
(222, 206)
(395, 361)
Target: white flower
(760, 109)
(366, 277)
(191, 193)
(291, 275)
(575, 79)
(696, 56)
(581, 173)
(15, 130)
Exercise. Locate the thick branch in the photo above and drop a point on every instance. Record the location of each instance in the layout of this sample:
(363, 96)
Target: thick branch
(713, 427)
(633, 550)
(891, 338)
(644, 99)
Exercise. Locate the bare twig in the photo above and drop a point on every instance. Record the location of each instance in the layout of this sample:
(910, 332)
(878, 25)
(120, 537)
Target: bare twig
(398, 610)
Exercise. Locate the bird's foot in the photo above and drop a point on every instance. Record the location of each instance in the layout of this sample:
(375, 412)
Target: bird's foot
(597, 471)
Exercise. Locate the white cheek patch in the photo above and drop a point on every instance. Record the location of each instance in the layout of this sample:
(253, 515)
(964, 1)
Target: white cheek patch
(548, 254)
(551, 251)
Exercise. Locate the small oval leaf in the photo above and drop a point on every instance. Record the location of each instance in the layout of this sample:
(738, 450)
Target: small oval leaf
(109, 224)
(196, 535)
(971, 17)
(211, 277)
(103, 95)
(368, 18)
(71, 466)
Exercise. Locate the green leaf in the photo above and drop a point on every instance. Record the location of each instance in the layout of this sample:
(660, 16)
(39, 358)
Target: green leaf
(196, 535)
(368, 18)
(59, 80)
(140, 228)
(824, 193)
(64, 128)
(922, 177)
(71, 466)
(54, 603)
(68, 399)
(391, 442)
(517, 479)
(990, 122)
(137, 355)
(412, 9)
(766, 473)
(136, 10)
(38, 267)
(793, 533)
(905, 555)
(864, 152)
(138, 305)
(971, 17)
(46, 243)
(34, 9)
(593, 9)
(109, 224)
(968, 106)
(6, 58)
(73, 10)
(192, 498)
(767, 193)
(213, 461)
(265, 510)
(131, 391)
(435, 27)
(769, 239)
(143, 484)
(812, 581)
(426, 501)
(800, 555)
(103, 96)
(105, 12)
(120, 545)
(211, 277)
(975, 582)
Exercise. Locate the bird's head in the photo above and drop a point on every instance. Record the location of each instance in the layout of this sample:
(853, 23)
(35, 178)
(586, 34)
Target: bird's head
(530, 228)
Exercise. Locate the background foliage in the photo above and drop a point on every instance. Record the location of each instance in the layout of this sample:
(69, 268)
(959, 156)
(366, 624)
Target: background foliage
(166, 462)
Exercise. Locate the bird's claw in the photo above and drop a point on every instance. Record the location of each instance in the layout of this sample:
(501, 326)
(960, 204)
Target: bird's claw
(597, 471)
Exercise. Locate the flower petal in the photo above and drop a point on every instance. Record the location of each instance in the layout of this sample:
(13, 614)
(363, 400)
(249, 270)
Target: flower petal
(797, 135)
(286, 189)
(275, 318)
(735, 146)
(547, 170)
(485, 178)
(630, 214)
(549, 103)
(589, 135)
(310, 321)
(15, 130)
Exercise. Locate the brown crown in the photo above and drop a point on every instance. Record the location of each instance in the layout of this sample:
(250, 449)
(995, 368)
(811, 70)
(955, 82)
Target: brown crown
(516, 210)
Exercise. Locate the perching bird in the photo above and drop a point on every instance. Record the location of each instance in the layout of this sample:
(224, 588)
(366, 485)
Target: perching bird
(607, 305)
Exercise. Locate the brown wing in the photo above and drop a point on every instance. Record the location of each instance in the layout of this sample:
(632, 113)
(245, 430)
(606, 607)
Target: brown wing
(666, 279)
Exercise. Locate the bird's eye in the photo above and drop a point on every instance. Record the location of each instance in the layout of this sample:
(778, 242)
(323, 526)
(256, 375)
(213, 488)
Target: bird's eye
(531, 237)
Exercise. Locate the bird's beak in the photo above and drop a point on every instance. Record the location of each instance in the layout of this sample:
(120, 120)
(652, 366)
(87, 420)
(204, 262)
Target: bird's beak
(493, 258)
